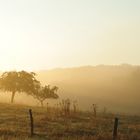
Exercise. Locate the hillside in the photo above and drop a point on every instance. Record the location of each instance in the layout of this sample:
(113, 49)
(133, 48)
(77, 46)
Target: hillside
(114, 87)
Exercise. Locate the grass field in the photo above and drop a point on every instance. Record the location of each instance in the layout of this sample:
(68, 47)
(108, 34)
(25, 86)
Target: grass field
(50, 124)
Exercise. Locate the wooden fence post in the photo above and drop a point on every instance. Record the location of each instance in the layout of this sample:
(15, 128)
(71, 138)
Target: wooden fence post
(115, 131)
(31, 122)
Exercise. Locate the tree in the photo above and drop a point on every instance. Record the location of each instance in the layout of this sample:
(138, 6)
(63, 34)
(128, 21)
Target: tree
(21, 81)
(44, 93)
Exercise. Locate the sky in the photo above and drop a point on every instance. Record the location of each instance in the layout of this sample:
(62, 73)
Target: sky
(46, 34)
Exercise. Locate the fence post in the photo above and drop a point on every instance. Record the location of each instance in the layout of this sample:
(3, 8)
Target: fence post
(115, 131)
(31, 122)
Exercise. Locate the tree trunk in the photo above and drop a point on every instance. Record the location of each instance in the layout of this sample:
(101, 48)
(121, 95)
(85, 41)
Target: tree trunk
(41, 103)
(13, 95)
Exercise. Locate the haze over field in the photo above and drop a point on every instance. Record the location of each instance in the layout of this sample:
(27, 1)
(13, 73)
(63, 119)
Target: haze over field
(115, 87)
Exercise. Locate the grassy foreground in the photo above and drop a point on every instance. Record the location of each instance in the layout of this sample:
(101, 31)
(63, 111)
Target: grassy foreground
(50, 124)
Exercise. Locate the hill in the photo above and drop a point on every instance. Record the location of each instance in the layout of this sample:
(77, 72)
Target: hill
(115, 87)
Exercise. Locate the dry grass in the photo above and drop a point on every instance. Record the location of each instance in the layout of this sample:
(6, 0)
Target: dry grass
(51, 124)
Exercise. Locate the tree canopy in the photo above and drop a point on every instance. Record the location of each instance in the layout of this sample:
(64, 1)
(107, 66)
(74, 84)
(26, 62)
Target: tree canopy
(21, 81)
(45, 92)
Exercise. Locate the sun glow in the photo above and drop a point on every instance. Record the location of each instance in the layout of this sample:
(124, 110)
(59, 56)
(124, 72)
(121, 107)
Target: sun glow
(80, 33)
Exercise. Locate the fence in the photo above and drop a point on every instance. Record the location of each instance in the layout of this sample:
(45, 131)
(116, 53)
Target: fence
(115, 129)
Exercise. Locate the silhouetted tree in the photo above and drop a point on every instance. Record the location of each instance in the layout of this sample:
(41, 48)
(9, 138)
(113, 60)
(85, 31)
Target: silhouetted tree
(18, 82)
(44, 93)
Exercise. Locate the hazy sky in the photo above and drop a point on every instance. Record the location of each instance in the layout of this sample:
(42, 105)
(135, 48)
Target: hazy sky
(42, 34)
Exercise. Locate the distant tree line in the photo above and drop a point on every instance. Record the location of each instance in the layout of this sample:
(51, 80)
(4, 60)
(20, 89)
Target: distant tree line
(25, 82)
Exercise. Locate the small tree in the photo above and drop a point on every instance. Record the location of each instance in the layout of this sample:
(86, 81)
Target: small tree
(18, 82)
(44, 93)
